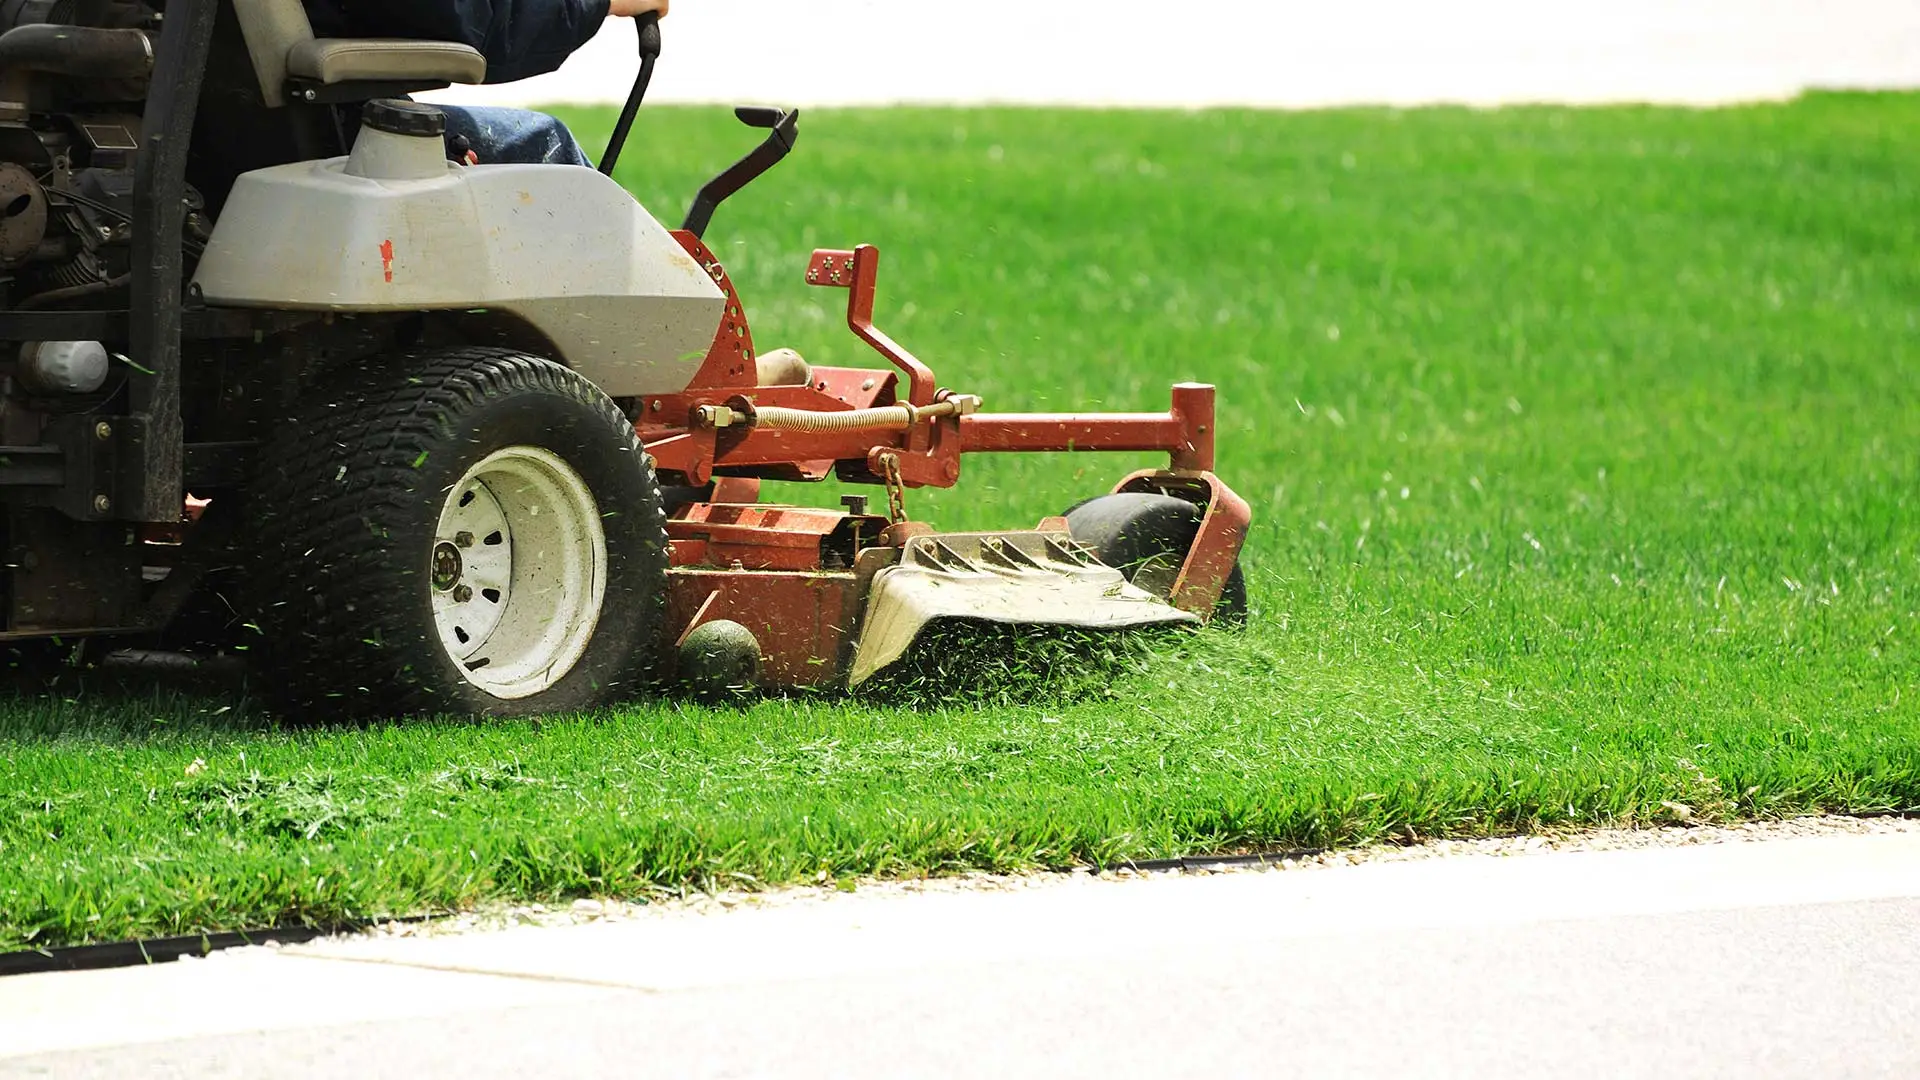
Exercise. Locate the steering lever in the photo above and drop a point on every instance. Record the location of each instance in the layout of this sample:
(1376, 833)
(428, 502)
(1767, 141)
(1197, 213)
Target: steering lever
(647, 24)
(783, 127)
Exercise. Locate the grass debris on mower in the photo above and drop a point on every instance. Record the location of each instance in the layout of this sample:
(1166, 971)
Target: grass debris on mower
(417, 435)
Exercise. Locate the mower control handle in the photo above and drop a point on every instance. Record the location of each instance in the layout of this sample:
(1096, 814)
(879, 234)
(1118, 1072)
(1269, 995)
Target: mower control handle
(783, 127)
(647, 24)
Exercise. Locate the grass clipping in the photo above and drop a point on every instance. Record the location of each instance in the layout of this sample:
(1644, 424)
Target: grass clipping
(976, 663)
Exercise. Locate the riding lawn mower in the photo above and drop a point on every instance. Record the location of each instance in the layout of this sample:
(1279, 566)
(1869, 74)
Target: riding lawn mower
(424, 435)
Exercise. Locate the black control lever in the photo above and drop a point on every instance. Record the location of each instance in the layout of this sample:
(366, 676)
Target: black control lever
(779, 142)
(648, 25)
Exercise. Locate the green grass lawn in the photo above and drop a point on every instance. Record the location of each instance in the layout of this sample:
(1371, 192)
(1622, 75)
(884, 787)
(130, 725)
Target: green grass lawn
(1582, 445)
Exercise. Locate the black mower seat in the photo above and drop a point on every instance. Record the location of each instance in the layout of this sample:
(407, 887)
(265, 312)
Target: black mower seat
(328, 61)
(293, 65)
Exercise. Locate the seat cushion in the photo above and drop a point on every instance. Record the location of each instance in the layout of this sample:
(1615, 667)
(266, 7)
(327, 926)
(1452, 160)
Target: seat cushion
(337, 60)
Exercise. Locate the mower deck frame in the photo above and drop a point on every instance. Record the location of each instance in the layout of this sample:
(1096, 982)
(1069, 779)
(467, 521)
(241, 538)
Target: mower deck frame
(799, 578)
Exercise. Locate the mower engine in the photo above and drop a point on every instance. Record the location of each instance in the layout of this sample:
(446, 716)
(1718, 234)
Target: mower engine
(72, 77)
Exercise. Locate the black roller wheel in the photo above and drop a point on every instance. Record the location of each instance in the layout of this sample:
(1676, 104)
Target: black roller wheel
(1146, 537)
(466, 531)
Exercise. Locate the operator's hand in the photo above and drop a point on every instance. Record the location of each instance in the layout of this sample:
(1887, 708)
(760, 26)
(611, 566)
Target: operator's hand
(630, 8)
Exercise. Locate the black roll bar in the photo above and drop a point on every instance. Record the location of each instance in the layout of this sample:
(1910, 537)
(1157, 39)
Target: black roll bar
(154, 448)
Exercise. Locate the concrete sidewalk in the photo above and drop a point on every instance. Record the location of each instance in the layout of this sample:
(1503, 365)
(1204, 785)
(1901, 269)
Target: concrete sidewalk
(1781, 958)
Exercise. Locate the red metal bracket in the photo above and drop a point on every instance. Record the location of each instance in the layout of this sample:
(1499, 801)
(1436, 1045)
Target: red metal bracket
(856, 272)
(1185, 431)
(730, 358)
(1216, 546)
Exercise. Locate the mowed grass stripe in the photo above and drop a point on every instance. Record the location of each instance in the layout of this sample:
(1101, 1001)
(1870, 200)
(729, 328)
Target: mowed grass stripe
(1582, 448)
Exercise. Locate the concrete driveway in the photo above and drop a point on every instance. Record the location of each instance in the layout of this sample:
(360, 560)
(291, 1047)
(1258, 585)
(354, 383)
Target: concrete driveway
(1787, 958)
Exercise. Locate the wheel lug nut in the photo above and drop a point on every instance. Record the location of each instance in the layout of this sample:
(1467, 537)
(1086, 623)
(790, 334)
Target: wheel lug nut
(462, 594)
(463, 538)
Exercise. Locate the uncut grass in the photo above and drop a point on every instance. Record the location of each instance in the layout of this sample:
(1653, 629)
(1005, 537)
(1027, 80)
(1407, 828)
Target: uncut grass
(1580, 444)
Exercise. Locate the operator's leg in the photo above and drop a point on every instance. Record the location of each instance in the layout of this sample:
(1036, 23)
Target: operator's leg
(513, 136)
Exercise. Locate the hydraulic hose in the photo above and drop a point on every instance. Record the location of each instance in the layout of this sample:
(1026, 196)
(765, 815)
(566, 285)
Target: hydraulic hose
(71, 292)
(84, 52)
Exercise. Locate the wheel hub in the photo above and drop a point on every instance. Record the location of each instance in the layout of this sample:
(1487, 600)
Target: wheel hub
(446, 566)
(518, 571)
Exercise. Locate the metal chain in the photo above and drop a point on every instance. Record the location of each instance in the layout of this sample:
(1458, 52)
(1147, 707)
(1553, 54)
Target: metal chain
(896, 489)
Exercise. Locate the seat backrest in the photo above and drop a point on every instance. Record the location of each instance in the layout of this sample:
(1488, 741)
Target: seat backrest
(272, 28)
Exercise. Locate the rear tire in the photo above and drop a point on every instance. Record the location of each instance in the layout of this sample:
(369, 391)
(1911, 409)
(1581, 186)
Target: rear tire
(464, 531)
(1146, 537)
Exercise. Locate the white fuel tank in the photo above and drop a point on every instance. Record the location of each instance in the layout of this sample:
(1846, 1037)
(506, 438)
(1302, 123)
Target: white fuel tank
(396, 227)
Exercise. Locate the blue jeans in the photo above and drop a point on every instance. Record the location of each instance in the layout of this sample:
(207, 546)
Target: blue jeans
(512, 136)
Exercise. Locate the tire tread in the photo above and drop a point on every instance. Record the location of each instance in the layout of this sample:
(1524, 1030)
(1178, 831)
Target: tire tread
(336, 480)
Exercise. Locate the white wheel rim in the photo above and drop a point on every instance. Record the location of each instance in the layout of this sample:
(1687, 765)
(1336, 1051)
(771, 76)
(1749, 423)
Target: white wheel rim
(518, 571)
